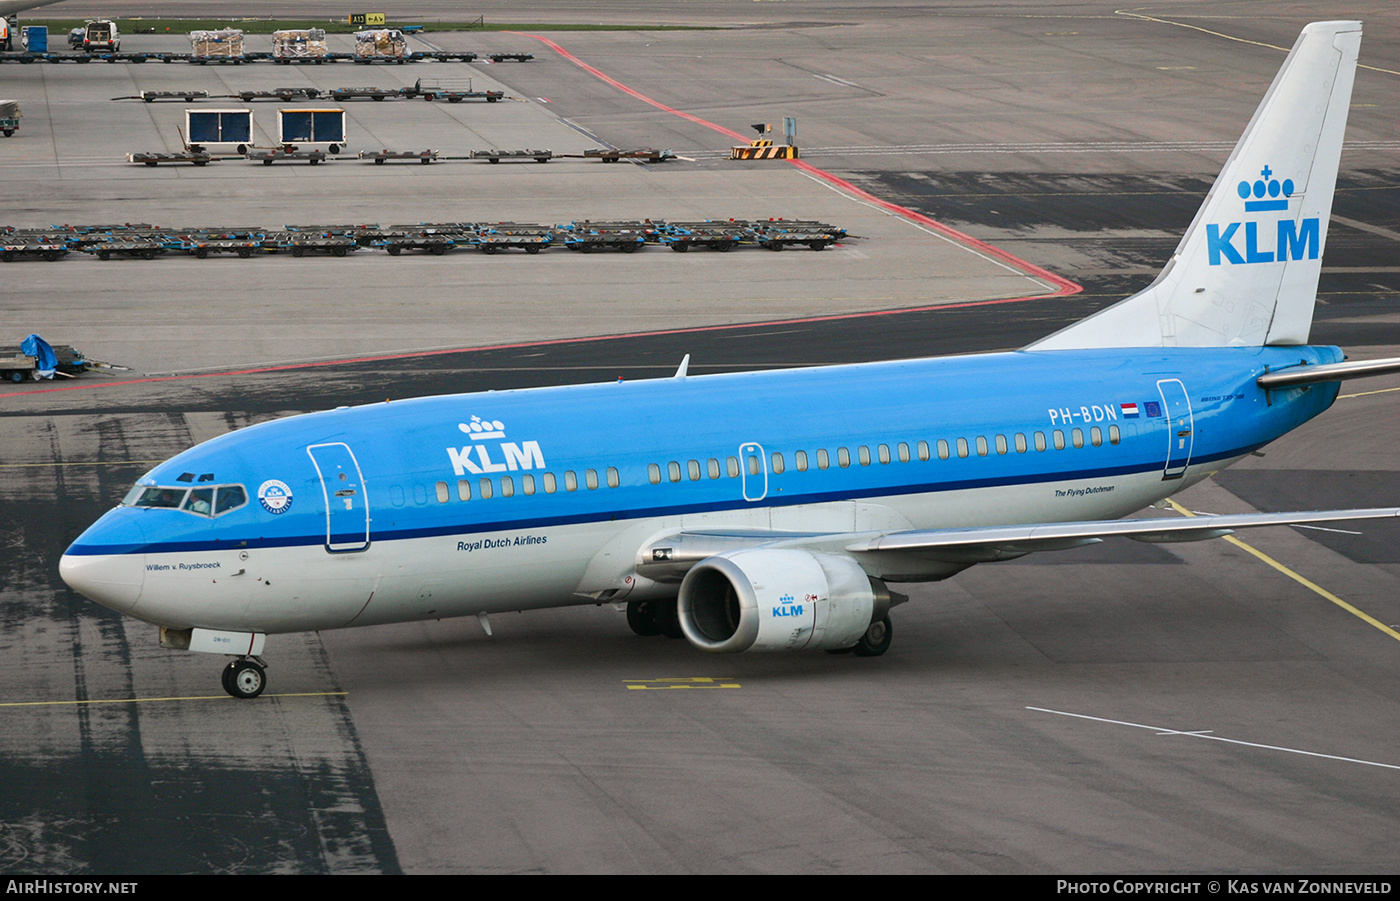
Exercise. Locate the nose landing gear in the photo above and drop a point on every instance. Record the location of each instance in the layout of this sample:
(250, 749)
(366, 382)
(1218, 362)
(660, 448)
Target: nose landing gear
(245, 677)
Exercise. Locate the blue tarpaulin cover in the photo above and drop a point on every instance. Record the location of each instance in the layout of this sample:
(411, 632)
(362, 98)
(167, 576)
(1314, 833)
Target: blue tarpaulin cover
(46, 361)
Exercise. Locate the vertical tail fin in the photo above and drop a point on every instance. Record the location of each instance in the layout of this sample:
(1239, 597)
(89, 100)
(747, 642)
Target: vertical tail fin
(1246, 271)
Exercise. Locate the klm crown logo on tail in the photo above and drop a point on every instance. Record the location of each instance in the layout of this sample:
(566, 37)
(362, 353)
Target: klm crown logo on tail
(1291, 241)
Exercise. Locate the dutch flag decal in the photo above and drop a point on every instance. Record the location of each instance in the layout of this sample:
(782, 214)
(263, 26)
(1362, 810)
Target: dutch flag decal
(1130, 411)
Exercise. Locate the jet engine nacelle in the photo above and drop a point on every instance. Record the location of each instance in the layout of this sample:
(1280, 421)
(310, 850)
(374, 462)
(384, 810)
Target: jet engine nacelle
(778, 600)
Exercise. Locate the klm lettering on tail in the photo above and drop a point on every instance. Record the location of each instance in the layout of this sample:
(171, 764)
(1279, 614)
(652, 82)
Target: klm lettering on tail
(1290, 241)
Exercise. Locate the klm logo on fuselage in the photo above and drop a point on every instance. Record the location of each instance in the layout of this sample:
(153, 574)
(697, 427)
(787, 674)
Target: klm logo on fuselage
(787, 606)
(1290, 240)
(476, 458)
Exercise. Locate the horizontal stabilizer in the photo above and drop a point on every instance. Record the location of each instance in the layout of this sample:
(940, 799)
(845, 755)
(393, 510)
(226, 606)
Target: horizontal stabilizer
(1328, 372)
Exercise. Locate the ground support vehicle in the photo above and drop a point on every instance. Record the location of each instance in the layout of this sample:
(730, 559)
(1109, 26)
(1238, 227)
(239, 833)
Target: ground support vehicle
(719, 236)
(201, 246)
(518, 57)
(299, 244)
(144, 247)
(443, 56)
(777, 234)
(503, 235)
(341, 94)
(9, 117)
(434, 239)
(586, 236)
(268, 156)
(187, 96)
(197, 157)
(495, 156)
(381, 156)
(612, 156)
(222, 46)
(299, 45)
(32, 246)
(101, 34)
(286, 95)
(431, 94)
(380, 45)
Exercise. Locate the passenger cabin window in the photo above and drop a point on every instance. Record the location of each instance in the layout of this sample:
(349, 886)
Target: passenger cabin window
(570, 480)
(942, 449)
(1096, 436)
(590, 478)
(923, 450)
(693, 470)
(884, 453)
(527, 484)
(800, 458)
(863, 454)
(1114, 435)
(507, 486)
(485, 486)
(823, 461)
(654, 473)
(843, 457)
(613, 478)
(713, 465)
(1078, 436)
(444, 494)
(778, 465)
(550, 485)
(464, 490)
(903, 452)
(673, 469)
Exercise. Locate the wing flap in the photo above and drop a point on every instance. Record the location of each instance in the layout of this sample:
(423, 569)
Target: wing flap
(1002, 542)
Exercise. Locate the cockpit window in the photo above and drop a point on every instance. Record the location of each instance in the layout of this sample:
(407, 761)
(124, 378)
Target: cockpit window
(230, 497)
(200, 500)
(214, 500)
(160, 497)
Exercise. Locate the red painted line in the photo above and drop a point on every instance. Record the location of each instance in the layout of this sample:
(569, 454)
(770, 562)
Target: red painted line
(1064, 287)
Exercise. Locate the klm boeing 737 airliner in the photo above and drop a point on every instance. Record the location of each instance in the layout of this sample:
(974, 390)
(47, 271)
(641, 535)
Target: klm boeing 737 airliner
(768, 510)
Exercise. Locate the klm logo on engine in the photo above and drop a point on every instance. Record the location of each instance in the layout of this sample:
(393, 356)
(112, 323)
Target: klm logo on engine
(476, 457)
(787, 606)
(1290, 240)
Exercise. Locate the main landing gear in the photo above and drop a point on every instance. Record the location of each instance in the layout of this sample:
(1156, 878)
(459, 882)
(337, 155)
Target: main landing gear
(245, 677)
(654, 618)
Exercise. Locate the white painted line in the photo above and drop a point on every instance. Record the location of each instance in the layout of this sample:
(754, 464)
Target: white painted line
(1161, 730)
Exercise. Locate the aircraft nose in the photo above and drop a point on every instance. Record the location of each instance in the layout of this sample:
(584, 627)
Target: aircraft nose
(106, 565)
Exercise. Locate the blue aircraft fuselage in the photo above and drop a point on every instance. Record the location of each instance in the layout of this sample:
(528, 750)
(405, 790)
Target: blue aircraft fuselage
(507, 500)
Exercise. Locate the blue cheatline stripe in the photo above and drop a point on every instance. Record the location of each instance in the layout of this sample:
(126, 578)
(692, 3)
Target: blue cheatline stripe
(539, 522)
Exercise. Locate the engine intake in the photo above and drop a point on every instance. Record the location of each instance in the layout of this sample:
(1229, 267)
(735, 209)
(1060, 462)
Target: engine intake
(778, 600)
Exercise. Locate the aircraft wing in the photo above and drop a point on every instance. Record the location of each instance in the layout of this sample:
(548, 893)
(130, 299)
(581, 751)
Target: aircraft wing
(986, 544)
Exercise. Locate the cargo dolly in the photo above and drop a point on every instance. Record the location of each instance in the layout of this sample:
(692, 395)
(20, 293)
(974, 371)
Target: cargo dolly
(286, 95)
(586, 236)
(32, 246)
(495, 156)
(197, 157)
(503, 235)
(612, 156)
(518, 57)
(269, 156)
(342, 94)
(381, 156)
(427, 241)
(717, 236)
(778, 234)
(144, 248)
(187, 96)
(431, 94)
(299, 244)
